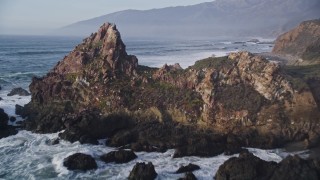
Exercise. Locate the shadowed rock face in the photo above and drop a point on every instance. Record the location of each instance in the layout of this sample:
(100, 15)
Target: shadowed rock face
(5, 129)
(142, 171)
(248, 166)
(99, 91)
(80, 161)
(302, 41)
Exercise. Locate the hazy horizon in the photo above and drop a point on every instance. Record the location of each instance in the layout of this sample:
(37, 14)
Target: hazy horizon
(40, 17)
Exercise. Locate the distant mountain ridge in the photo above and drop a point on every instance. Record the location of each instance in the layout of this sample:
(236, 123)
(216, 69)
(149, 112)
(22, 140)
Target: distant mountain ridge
(218, 18)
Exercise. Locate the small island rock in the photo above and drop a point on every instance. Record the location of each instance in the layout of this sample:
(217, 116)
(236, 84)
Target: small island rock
(80, 161)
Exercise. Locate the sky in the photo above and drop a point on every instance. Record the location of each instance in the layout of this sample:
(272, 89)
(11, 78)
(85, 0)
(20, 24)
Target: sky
(42, 16)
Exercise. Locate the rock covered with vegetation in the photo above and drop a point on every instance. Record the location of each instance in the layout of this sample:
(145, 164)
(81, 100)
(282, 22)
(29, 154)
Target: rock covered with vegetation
(219, 104)
(302, 41)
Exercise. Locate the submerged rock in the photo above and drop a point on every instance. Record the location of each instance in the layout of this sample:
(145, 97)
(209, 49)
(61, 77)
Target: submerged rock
(142, 171)
(189, 168)
(12, 119)
(121, 156)
(19, 91)
(80, 161)
(189, 176)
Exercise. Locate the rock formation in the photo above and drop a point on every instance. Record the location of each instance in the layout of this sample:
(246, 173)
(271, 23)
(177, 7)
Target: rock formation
(5, 129)
(247, 166)
(19, 91)
(189, 168)
(79, 161)
(189, 176)
(302, 42)
(142, 171)
(121, 156)
(218, 104)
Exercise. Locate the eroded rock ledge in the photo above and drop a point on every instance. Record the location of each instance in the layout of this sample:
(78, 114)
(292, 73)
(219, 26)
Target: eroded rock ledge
(216, 105)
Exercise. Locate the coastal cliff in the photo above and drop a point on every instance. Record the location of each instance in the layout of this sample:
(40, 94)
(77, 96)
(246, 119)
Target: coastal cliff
(301, 43)
(99, 91)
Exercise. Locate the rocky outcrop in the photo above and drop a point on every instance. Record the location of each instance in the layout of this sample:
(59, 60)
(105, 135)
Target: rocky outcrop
(189, 168)
(217, 105)
(80, 161)
(4, 118)
(19, 91)
(247, 166)
(5, 129)
(121, 156)
(295, 168)
(302, 42)
(142, 171)
(189, 176)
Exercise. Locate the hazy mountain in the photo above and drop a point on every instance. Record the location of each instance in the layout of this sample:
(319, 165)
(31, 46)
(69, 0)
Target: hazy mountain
(266, 18)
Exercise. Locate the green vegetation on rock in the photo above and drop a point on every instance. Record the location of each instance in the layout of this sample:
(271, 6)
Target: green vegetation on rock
(212, 62)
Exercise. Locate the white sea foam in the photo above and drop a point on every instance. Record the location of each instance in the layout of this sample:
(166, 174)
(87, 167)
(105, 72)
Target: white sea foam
(8, 104)
(27, 155)
(185, 60)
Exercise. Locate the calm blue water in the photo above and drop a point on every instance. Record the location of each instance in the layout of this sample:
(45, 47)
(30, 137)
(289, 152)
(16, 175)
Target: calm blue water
(29, 156)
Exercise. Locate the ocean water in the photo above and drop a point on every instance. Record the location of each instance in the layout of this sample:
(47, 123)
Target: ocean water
(30, 156)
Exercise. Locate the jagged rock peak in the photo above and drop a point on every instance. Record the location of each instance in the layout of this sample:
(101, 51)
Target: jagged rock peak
(264, 76)
(104, 51)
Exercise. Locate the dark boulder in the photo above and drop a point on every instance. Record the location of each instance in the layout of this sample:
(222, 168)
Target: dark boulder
(80, 161)
(21, 111)
(189, 168)
(142, 171)
(19, 91)
(121, 156)
(85, 139)
(246, 166)
(295, 168)
(189, 176)
(13, 119)
(4, 118)
(1, 99)
(5, 129)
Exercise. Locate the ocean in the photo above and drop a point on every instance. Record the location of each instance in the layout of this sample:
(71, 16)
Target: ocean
(30, 156)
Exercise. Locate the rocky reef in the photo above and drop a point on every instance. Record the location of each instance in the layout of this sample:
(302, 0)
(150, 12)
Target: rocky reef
(216, 105)
(302, 44)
